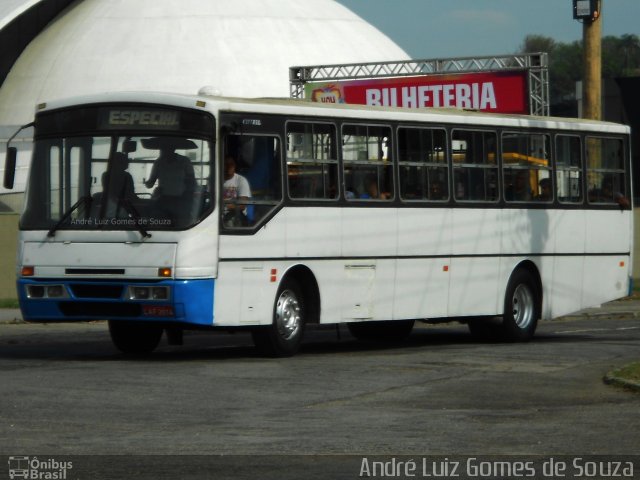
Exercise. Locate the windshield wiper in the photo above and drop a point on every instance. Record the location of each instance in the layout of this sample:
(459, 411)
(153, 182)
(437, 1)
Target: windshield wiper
(81, 201)
(131, 210)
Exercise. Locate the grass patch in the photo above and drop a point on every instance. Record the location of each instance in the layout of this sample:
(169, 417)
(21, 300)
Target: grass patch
(9, 303)
(627, 377)
(629, 372)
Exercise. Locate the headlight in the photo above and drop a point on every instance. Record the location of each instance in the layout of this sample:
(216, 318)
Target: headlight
(46, 291)
(148, 293)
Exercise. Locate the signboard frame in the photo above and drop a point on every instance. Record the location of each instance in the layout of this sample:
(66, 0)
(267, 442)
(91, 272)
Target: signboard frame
(533, 65)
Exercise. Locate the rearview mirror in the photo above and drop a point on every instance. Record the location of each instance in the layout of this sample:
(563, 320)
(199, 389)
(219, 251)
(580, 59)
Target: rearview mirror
(129, 146)
(10, 167)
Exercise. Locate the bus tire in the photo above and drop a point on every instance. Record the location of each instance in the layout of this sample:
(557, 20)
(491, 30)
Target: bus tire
(521, 307)
(385, 331)
(134, 338)
(283, 337)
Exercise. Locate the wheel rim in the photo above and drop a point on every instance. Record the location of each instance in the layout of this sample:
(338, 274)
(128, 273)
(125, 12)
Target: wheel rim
(288, 319)
(522, 306)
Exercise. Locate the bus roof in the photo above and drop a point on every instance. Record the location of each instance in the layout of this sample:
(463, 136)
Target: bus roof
(289, 106)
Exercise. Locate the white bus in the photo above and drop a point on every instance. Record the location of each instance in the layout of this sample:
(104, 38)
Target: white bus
(370, 216)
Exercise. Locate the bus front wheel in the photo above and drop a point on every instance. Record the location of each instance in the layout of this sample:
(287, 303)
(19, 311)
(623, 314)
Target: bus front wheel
(134, 338)
(283, 337)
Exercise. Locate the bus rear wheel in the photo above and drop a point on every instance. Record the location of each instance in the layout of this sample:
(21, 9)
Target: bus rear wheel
(521, 307)
(283, 337)
(134, 338)
(521, 312)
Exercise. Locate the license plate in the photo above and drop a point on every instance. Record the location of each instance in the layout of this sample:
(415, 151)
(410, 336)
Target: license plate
(157, 310)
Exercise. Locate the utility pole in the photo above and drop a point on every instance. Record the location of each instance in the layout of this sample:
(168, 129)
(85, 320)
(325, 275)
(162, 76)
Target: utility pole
(592, 45)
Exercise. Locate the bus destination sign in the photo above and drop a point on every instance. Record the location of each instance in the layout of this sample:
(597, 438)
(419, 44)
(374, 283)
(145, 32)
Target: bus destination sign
(139, 118)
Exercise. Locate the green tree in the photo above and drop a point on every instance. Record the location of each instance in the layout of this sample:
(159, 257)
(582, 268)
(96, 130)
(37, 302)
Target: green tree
(620, 58)
(537, 43)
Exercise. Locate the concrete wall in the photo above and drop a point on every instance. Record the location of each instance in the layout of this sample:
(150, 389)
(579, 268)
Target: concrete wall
(9, 243)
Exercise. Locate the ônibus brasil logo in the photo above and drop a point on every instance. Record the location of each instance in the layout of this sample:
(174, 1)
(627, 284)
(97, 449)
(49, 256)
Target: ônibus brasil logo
(36, 469)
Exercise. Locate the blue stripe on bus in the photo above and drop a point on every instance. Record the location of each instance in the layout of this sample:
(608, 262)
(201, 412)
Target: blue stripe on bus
(191, 301)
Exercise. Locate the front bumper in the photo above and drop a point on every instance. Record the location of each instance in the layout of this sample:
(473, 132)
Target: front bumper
(186, 301)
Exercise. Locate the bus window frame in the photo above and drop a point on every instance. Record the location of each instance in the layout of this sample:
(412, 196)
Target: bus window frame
(448, 164)
(276, 207)
(336, 161)
(529, 168)
(581, 169)
(497, 167)
(391, 162)
(625, 171)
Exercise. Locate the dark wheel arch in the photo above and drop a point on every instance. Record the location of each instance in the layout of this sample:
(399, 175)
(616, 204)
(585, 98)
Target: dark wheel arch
(135, 338)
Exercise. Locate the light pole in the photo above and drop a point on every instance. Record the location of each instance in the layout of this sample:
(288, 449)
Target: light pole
(590, 12)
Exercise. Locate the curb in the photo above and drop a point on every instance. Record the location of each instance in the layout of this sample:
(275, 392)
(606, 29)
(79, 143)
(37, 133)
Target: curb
(628, 314)
(10, 316)
(612, 379)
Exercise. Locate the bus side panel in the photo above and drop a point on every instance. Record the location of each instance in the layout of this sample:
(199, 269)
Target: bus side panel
(526, 232)
(568, 227)
(612, 278)
(526, 236)
(271, 239)
(329, 275)
(475, 267)
(367, 289)
(245, 293)
(244, 290)
(313, 232)
(564, 293)
(610, 281)
(473, 286)
(369, 283)
(422, 283)
(422, 288)
(369, 232)
(599, 231)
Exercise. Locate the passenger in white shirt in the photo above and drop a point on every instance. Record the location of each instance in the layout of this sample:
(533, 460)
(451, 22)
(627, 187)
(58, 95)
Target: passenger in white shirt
(236, 190)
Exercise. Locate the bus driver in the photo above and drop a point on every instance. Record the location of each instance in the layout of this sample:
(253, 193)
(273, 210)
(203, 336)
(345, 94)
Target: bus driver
(174, 172)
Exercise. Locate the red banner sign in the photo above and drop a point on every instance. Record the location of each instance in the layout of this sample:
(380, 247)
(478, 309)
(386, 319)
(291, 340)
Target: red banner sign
(503, 92)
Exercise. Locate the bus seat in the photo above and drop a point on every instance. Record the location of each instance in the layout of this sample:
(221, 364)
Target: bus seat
(251, 214)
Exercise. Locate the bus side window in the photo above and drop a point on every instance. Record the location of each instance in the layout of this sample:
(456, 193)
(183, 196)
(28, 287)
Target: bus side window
(569, 169)
(606, 175)
(368, 166)
(312, 161)
(526, 167)
(474, 165)
(257, 159)
(422, 157)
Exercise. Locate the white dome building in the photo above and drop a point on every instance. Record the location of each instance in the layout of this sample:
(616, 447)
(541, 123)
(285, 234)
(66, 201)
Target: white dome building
(58, 48)
(238, 47)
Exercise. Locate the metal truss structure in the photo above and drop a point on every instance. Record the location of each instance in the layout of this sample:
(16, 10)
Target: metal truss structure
(536, 65)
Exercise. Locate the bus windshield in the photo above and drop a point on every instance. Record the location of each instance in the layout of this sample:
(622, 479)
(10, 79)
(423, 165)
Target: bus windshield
(118, 182)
